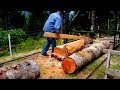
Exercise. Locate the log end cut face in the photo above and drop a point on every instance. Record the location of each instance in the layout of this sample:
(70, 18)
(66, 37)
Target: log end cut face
(68, 65)
(60, 51)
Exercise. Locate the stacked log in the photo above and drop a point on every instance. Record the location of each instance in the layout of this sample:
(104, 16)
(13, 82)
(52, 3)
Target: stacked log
(80, 58)
(69, 48)
(25, 70)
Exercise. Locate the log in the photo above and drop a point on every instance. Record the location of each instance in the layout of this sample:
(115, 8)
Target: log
(25, 70)
(113, 73)
(54, 35)
(69, 48)
(80, 58)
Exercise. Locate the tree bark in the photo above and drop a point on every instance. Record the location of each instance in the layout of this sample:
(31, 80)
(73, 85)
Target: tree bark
(25, 70)
(80, 58)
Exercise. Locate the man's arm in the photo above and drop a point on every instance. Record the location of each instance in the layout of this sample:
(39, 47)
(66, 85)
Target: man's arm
(57, 25)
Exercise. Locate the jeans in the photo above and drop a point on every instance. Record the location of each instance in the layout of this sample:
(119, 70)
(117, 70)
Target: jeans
(50, 41)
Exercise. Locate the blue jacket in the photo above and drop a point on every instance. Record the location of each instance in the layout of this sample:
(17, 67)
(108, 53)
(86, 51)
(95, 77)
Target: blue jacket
(53, 22)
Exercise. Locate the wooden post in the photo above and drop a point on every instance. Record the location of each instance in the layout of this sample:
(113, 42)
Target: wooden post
(112, 52)
(107, 63)
(10, 45)
(114, 73)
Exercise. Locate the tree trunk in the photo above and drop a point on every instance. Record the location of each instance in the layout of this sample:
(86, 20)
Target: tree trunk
(80, 58)
(6, 22)
(69, 48)
(25, 70)
(93, 19)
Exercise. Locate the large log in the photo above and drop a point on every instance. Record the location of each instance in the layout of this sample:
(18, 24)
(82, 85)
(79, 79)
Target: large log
(25, 70)
(54, 35)
(69, 48)
(80, 58)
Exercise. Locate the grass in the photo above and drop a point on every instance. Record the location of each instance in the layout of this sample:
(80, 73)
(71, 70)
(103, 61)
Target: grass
(20, 49)
(115, 62)
(28, 45)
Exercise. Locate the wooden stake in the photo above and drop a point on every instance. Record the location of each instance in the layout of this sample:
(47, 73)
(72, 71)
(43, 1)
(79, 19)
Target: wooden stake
(107, 63)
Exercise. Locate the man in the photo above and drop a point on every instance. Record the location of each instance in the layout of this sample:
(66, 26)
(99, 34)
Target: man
(52, 25)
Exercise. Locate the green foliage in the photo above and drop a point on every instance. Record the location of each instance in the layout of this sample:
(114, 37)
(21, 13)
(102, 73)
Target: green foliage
(112, 25)
(30, 44)
(27, 45)
(17, 35)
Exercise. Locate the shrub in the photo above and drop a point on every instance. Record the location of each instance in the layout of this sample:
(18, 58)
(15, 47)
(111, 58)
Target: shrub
(17, 36)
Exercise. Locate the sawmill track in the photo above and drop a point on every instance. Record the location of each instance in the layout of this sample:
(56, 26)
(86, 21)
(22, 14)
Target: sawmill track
(20, 58)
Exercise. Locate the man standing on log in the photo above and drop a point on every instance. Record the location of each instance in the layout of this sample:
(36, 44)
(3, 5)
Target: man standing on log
(52, 25)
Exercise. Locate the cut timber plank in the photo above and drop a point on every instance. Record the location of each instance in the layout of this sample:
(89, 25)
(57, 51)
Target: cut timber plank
(114, 73)
(114, 52)
(54, 35)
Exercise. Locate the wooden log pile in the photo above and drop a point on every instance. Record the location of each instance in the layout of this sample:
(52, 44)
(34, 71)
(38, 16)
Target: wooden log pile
(80, 58)
(66, 50)
(25, 70)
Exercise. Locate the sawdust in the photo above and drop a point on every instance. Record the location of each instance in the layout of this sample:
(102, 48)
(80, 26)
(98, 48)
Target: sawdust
(51, 69)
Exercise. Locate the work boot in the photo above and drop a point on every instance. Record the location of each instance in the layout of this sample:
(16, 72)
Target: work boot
(45, 54)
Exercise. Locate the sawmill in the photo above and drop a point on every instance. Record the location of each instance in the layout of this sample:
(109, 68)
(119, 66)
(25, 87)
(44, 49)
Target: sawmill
(85, 38)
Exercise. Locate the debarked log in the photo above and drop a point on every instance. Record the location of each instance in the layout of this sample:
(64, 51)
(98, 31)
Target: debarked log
(80, 58)
(28, 69)
(69, 48)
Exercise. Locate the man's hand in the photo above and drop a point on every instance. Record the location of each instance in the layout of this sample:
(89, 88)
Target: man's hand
(58, 36)
(58, 33)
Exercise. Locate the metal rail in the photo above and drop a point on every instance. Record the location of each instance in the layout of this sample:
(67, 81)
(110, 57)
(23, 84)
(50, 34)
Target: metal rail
(1, 64)
(96, 68)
